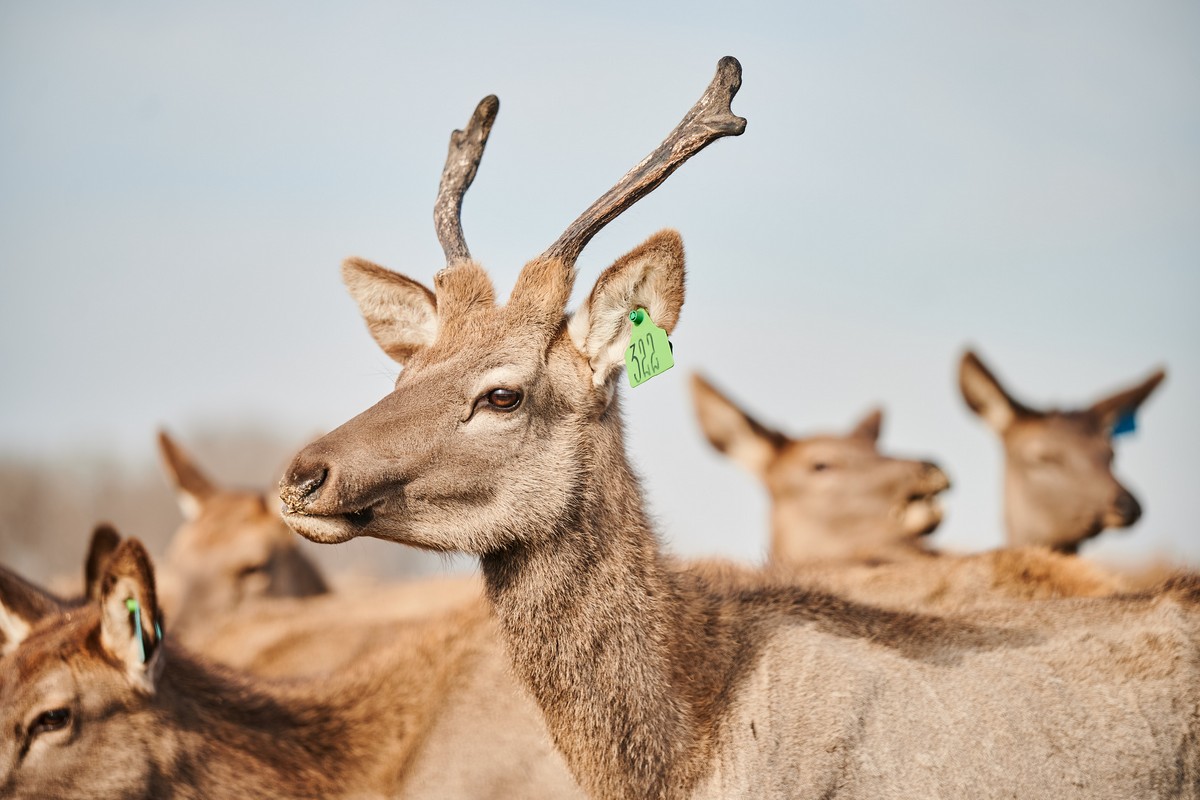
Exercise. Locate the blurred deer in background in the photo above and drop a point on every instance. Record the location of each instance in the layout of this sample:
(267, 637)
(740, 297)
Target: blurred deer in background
(850, 519)
(833, 497)
(1059, 489)
(97, 700)
(503, 438)
(233, 548)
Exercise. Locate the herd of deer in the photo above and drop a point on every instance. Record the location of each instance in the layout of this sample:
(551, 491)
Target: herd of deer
(857, 663)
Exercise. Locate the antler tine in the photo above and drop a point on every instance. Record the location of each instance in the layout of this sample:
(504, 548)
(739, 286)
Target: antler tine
(709, 119)
(462, 161)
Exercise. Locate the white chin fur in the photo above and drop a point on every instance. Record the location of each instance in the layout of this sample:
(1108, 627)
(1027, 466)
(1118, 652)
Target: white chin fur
(922, 516)
(324, 530)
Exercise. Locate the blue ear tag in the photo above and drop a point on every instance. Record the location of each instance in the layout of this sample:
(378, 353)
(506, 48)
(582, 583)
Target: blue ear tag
(1126, 423)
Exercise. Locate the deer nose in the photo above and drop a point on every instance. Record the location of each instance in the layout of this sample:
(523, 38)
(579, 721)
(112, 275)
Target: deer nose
(933, 473)
(1128, 507)
(301, 485)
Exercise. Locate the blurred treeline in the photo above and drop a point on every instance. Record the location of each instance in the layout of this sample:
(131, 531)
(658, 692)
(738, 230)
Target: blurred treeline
(49, 505)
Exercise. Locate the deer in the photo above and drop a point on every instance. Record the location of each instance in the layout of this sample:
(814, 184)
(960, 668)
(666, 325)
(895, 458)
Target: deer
(232, 547)
(503, 438)
(833, 497)
(1059, 488)
(243, 593)
(848, 518)
(97, 699)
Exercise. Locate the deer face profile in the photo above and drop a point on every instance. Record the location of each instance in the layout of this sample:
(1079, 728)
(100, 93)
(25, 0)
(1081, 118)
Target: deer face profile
(1059, 488)
(832, 497)
(478, 447)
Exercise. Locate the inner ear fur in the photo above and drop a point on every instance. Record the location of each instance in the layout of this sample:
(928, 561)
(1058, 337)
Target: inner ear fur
(732, 431)
(192, 487)
(129, 575)
(870, 426)
(22, 604)
(651, 277)
(985, 396)
(104, 543)
(400, 313)
(1108, 410)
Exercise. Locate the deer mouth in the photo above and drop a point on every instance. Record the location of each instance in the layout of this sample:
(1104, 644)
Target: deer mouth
(330, 528)
(921, 512)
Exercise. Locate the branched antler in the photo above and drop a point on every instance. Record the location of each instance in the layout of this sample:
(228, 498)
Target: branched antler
(709, 120)
(462, 161)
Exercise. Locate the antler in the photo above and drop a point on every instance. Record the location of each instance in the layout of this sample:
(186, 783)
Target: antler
(709, 120)
(462, 161)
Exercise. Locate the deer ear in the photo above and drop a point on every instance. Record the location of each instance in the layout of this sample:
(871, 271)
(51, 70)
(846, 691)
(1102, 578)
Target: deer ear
(649, 277)
(130, 621)
(732, 431)
(985, 396)
(1112, 408)
(21, 605)
(192, 487)
(105, 540)
(870, 426)
(401, 314)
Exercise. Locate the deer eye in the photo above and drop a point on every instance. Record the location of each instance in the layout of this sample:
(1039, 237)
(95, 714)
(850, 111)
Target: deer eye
(820, 466)
(54, 720)
(503, 399)
(252, 569)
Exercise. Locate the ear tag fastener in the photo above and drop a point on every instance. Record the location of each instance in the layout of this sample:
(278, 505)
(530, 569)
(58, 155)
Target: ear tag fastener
(649, 352)
(133, 607)
(1126, 423)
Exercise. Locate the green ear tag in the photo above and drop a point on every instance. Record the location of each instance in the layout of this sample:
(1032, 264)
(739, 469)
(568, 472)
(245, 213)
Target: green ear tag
(649, 352)
(135, 609)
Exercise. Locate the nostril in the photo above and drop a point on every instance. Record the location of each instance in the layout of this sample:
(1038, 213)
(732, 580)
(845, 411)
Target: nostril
(309, 485)
(300, 488)
(1128, 507)
(934, 473)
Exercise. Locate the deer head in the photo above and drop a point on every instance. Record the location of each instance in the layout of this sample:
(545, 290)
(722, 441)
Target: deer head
(1059, 489)
(232, 548)
(479, 446)
(74, 681)
(832, 497)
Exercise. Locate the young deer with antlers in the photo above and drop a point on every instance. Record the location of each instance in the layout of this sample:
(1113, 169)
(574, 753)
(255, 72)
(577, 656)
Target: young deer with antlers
(1059, 489)
(850, 519)
(503, 438)
(97, 701)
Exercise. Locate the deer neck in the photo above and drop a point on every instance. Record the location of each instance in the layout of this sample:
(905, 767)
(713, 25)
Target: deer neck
(597, 623)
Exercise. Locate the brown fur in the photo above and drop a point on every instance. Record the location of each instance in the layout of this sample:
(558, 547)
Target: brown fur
(850, 519)
(656, 682)
(282, 637)
(833, 497)
(232, 549)
(1059, 489)
(432, 714)
(659, 682)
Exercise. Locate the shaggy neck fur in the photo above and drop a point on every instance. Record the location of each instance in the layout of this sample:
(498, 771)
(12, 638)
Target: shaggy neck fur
(627, 658)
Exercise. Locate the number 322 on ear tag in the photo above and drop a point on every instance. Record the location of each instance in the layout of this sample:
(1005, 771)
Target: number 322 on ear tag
(649, 352)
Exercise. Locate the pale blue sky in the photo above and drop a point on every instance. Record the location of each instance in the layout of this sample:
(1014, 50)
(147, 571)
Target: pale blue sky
(178, 184)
